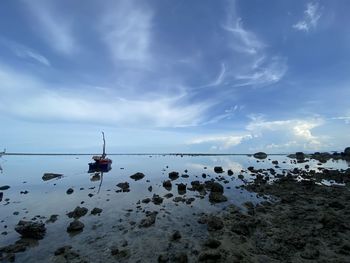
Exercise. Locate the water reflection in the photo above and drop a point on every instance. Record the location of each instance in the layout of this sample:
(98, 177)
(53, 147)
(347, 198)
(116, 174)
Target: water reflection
(96, 171)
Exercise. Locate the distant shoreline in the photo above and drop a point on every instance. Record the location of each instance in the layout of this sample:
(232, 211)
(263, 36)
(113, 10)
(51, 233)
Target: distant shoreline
(141, 154)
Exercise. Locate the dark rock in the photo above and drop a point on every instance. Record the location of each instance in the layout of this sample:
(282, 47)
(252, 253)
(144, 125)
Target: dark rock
(212, 243)
(214, 223)
(75, 226)
(1, 196)
(169, 195)
(216, 197)
(230, 172)
(299, 155)
(176, 235)
(275, 162)
(52, 219)
(179, 199)
(218, 169)
(62, 250)
(173, 175)
(137, 176)
(78, 212)
(96, 177)
(149, 220)
(96, 211)
(216, 187)
(5, 187)
(50, 176)
(163, 258)
(347, 151)
(35, 230)
(70, 191)
(157, 200)
(260, 155)
(180, 258)
(146, 200)
(150, 188)
(124, 186)
(210, 256)
(167, 185)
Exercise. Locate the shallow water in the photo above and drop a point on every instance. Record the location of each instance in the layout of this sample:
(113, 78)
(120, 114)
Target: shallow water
(115, 224)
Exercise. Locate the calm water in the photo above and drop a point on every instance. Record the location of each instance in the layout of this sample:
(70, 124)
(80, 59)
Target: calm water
(115, 224)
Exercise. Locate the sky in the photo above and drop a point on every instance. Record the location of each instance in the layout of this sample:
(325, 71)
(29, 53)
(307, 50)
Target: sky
(174, 76)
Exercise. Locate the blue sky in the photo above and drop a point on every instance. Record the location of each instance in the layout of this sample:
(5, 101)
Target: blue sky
(167, 76)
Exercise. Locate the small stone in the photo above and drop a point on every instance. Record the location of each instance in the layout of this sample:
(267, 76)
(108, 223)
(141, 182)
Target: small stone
(212, 243)
(137, 176)
(230, 172)
(173, 175)
(78, 212)
(75, 226)
(5, 187)
(30, 229)
(70, 191)
(176, 235)
(96, 211)
(218, 169)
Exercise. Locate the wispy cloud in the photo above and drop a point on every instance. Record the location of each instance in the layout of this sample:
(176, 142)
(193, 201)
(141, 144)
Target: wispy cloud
(312, 14)
(126, 28)
(54, 28)
(25, 52)
(42, 103)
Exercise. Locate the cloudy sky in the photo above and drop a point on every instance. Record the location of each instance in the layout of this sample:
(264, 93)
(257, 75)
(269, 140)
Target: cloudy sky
(174, 76)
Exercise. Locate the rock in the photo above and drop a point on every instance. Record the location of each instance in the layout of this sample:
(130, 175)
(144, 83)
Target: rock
(275, 162)
(169, 195)
(210, 256)
(229, 172)
(180, 258)
(62, 250)
(179, 199)
(310, 253)
(75, 226)
(149, 220)
(176, 235)
(50, 176)
(124, 186)
(212, 243)
(35, 230)
(214, 223)
(157, 200)
(260, 155)
(52, 219)
(173, 175)
(218, 169)
(216, 187)
(299, 155)
(96, 211)
(5, 187)
(215, 197)
(150, 188)
(1, 196)
(78, 212)
(167, 185)
(163, 258)
(137, 176)
(181, 187)
(347, 151)
(70, 191)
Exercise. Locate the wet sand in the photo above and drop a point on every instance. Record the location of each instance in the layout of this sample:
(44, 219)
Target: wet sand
(268, 210)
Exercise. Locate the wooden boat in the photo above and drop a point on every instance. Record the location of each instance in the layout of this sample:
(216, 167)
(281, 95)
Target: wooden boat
(101, 163)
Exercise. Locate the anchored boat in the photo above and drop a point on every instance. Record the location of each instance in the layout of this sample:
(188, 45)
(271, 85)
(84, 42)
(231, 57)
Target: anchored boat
(101, 163)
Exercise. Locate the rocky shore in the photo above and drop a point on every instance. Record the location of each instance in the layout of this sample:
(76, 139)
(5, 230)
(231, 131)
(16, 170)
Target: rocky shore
(298, 218)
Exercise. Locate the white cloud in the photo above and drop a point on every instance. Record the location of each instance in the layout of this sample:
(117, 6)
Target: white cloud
(55, 29)
(222, 141)
(35, 101)
(312, 14)
(126, 29)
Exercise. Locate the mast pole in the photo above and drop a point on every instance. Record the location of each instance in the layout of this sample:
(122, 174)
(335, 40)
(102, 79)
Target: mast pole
(104, 145)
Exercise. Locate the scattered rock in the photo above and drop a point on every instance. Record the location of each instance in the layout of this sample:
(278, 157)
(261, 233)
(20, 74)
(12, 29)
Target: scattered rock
(125, 187)
(176, 235)
(75, 226)
(218, 169)
(146, 200)
(167, 185)
(215, 197)
(168, 195)
(212, 243)
(173, 175)
(347, 151)
(229, 172)
(78, 212)
(35, 230)
(214, 223)
(157, 200)
(1, 196)
(5, 187)
(96, 211)
(260, 155)
(52, 219)
(50, 176)
(210, 256)
(149, 220)
(70, 191)
(137, 176)
(150, 188)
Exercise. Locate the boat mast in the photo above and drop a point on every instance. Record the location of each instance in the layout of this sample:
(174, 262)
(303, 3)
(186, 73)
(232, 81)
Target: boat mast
(104, 145)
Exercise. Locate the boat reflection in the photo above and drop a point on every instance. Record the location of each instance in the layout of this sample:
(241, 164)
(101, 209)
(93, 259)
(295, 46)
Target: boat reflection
(97, 175)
